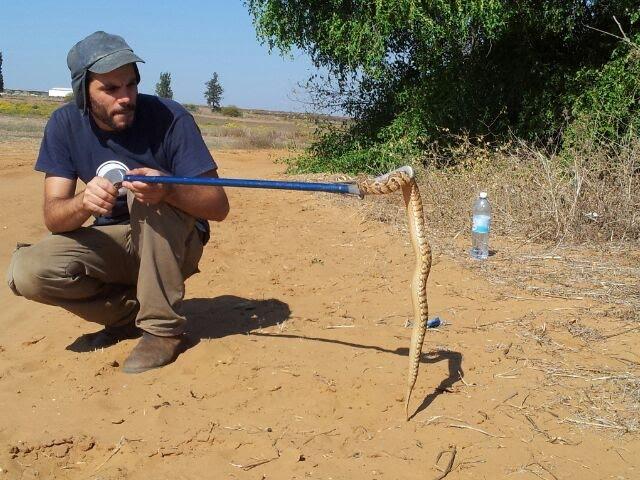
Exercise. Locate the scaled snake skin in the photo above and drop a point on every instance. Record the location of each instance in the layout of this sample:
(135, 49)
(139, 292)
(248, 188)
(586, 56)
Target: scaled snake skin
(403, 179)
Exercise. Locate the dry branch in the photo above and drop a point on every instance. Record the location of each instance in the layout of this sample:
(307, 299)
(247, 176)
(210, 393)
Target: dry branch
(452, 450)
(454, 425)
(119, 445)
(257, 463)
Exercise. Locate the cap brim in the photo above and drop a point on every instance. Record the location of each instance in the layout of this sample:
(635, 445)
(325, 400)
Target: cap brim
(114, 60)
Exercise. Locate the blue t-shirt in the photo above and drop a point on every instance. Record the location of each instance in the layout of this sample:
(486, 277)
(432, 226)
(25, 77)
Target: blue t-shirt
(163, 136)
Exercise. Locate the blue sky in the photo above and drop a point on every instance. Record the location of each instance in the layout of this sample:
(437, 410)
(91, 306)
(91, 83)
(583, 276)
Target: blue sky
(190, 39)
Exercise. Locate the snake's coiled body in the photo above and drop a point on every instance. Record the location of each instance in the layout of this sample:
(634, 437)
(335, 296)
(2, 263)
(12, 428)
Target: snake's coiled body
(402, 179)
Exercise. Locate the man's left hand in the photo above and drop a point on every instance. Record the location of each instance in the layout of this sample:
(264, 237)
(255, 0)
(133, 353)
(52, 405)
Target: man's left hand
(149, 193)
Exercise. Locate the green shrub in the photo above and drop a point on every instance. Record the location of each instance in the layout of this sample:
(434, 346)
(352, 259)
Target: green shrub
(231, 111)
(191, 107)
(344, 148)
(608, 110)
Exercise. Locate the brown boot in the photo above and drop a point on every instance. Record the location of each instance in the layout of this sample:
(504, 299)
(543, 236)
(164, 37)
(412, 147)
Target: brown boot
(153, 352)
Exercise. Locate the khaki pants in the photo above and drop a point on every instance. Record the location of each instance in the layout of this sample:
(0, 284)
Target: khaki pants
(114, 274)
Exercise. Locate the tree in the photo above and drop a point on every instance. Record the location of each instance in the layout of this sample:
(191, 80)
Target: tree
(408, 71)
(163, 87)
(1, 78)
(213, 93)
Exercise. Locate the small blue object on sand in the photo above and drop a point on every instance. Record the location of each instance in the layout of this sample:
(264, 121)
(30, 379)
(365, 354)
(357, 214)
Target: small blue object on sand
(434, 322)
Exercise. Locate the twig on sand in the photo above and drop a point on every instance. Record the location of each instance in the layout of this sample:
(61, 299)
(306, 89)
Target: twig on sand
(249, 466)
(438, 417)
(454, 425)
(119, 445)
(527, 469)
(318, 434)
(452, 450)
(506, 399)
(549, 438)
(622, 332)
(462, 379)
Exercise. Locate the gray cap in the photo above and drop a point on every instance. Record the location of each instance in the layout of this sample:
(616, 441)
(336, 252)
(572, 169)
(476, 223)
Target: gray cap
(100, 52)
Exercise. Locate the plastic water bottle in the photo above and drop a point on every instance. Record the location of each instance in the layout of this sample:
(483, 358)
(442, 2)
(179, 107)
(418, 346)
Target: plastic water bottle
(481, 227)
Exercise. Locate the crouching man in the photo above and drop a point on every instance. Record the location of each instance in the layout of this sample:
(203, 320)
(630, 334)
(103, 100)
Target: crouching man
(127, 270)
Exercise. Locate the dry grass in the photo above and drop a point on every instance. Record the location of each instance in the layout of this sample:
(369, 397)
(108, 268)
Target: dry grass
(21, 128)
(23, 118)
(593, 197)
(253, 130)
(567, 230)
(600, 398)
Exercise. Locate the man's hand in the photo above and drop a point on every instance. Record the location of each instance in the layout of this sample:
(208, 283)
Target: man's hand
(149, 193)
(99, 196)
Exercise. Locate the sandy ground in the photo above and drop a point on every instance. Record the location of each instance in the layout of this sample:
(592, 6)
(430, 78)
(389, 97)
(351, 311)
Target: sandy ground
(299, 362)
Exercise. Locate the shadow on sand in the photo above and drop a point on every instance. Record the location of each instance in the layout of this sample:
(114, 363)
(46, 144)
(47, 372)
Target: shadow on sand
(230, 315)
(209, 318)
(217, 318)
(453, 359)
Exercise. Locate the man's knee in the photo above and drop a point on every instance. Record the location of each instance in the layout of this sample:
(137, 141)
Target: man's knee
(11, 270)
(21, 277)
(31, 273)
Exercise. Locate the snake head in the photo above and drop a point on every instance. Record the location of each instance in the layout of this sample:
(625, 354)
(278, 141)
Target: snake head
(407, 170)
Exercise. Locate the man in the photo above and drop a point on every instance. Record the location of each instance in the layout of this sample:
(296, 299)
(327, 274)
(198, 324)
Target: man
(127, 270)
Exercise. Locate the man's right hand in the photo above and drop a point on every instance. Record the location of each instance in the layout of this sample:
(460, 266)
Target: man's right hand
(99, 196)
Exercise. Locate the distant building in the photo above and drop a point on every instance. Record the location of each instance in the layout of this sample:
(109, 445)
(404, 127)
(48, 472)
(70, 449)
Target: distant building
(24, 93)
(60, 92)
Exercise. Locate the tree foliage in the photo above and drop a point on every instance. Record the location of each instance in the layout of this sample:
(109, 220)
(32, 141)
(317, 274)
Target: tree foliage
(213, 93)
(1, 77)
(413, 72)
(163, 87)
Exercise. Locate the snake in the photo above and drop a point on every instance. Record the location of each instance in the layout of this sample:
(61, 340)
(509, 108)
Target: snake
(403, 179)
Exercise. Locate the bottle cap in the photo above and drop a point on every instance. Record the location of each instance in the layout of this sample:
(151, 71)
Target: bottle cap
(483, 194)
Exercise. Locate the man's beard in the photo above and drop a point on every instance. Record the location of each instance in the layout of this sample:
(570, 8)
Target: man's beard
(100, 112)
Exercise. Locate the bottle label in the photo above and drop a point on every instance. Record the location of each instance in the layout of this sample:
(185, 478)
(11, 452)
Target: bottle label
(481, 224)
